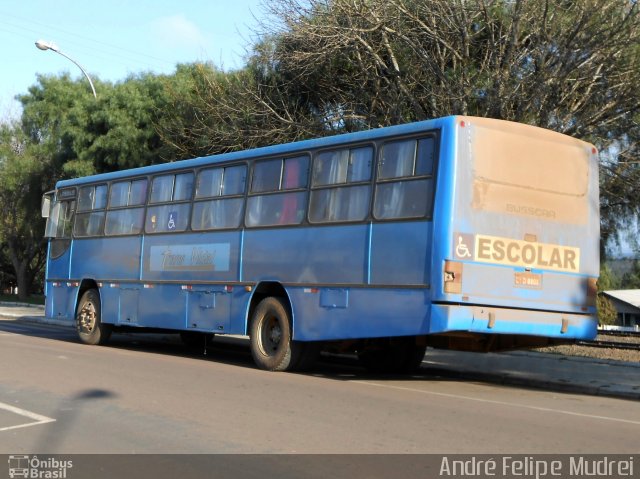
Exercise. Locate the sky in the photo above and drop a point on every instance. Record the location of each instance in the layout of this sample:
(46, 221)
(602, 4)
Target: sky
(113, 39)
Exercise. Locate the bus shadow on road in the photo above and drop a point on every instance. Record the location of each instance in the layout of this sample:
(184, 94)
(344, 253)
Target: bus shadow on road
(234, 351)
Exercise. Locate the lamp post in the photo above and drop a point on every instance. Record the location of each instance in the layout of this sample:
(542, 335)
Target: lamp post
(43, 45)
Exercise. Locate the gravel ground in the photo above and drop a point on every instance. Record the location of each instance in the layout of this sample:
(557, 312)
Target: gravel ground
(600, 353)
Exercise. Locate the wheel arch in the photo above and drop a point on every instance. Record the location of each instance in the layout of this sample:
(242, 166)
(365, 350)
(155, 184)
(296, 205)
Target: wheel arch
(85, 285)
(265, 289)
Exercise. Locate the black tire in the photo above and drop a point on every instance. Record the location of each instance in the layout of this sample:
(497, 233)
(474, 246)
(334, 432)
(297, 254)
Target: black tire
(392, 355)
(196, 339)
(271, 335)
(91, 329)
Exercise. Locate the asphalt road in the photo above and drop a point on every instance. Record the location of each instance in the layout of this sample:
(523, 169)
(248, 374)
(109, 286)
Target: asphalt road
(148, 394)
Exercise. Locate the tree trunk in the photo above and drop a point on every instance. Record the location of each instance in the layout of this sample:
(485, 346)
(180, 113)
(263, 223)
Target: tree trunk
(22, 278)
(21, 261)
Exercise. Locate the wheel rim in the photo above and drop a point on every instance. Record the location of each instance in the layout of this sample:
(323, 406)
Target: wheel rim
(87, 317)
(270, 336)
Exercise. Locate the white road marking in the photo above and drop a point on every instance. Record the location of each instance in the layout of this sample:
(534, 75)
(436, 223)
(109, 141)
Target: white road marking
(38, 418)
(501, 403)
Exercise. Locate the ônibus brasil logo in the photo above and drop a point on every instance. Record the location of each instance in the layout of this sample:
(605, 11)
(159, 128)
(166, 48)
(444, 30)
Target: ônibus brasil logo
(33, 467)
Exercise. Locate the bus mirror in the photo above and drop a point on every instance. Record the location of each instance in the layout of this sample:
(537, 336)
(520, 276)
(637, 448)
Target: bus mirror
(46, 206)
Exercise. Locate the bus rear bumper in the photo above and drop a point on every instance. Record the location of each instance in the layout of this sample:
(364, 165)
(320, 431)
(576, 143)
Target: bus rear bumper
(447, 318)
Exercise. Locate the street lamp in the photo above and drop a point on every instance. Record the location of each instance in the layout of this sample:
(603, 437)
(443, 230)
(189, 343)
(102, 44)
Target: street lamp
(43, 45)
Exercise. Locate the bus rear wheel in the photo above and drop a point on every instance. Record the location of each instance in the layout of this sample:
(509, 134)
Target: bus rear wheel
(272, 346)
(91, 329)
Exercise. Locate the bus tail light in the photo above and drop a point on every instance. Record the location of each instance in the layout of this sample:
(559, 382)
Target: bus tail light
(452, 277)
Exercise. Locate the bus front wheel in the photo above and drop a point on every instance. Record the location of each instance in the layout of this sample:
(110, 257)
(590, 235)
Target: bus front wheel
(272, 346)
(91, 329)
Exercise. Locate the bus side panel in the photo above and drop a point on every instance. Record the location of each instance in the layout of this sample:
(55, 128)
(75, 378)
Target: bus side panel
(60, 301)
(106, 259)
(130, 304)
(59, 296)
(109, 301)
(401, 253)
(351, 313)
(58, 268)
(318, 255)
(444, 205)
(196, 257)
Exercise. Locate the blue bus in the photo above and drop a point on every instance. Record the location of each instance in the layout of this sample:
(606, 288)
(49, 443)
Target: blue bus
(460, 232)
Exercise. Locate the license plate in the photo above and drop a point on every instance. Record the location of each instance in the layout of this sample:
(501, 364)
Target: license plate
(528, 280)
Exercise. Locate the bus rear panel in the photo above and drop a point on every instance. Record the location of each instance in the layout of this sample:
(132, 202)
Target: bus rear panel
(517, 255)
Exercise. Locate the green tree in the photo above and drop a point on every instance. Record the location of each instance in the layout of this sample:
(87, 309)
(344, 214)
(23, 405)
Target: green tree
(64, 132)
(81, 135)
(120, 129)
(215, 112)
(607, 313)
(608, 280)
(631, 279)
(333, 66)
(21, 228)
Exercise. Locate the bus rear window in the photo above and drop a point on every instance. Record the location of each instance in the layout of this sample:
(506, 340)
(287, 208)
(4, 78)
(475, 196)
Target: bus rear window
(528, 172)
(534, 163)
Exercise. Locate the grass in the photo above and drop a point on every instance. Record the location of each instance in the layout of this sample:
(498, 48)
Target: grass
(13, 298)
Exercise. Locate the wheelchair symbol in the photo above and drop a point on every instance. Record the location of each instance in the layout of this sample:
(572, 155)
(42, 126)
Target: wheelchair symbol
(171, 224)
(462, 250)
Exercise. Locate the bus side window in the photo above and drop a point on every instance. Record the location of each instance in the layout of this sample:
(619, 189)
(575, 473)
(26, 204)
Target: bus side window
(167, 218)
(65, 218)
(279, 203)
(217, 214)
(405, 182)
(279, 209)
(219, 183)
(340, 187)
(126, 220)
(183, 187)
(161, 189)
(92, 200)
(138, 194)
(175, 192)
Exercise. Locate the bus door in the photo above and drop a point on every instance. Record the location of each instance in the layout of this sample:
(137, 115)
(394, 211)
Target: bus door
(60, 296)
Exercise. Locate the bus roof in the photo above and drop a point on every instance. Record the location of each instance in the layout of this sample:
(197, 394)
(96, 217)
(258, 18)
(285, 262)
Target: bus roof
(268, 151)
